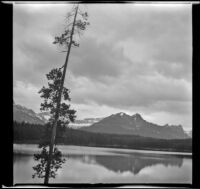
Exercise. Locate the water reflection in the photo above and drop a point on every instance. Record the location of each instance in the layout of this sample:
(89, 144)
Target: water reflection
(111, 168)
(21, 158)
(133, 163)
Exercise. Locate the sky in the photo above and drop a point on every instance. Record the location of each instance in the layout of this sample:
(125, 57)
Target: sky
(133, 58)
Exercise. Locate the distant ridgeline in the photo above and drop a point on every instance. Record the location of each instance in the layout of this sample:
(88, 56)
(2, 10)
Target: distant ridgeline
(23, 114)
(122, 123)
(119, 123)
(28, 133)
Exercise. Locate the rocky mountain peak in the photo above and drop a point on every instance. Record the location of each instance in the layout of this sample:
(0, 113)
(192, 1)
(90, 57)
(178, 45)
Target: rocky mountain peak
(121, 114)
(137, 116)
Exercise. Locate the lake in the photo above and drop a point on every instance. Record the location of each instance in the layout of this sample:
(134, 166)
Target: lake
(107, 165)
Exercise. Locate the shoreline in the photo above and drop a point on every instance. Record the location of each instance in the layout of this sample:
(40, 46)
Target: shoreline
(30, 149)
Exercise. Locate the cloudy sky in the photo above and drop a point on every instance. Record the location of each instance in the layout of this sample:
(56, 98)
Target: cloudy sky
(132, 58)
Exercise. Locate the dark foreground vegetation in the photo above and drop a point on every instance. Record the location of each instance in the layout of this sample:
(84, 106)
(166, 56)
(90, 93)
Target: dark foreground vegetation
(26, 133)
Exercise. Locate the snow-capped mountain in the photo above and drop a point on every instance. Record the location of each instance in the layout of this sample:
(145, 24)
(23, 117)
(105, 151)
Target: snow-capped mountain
(84, 122)
(77, 123)
(122, 123)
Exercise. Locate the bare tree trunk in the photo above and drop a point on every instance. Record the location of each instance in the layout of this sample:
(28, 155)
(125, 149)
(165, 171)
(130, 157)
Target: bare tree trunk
(51, 147)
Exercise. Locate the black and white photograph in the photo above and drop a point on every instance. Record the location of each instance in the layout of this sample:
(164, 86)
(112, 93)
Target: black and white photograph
(102, 93)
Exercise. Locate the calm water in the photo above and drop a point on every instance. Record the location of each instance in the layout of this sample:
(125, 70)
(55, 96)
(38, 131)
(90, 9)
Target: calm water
(104, 165)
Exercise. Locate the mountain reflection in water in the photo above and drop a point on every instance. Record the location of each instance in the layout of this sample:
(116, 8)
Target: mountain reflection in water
(95, 165)
(133, 163)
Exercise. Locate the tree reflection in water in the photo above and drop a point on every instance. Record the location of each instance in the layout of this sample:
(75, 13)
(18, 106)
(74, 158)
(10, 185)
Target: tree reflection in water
(111, 168)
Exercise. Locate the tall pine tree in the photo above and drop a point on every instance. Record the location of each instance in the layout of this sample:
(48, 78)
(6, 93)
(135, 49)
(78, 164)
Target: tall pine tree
(55, 96)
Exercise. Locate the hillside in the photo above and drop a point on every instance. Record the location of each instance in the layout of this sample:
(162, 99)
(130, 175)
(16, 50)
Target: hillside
(23, 114)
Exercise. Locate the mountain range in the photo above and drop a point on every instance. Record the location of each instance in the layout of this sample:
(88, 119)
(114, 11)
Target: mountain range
(125, 124)
(23, 114)
(119, 123)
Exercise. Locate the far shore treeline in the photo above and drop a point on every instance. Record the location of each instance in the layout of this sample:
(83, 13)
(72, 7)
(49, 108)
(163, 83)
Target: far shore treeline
(27, 133)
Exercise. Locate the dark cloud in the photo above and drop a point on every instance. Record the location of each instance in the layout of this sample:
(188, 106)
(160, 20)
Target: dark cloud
(96, 61)
(164, 34)
(38, 60)
(125, 92)
(34, 53)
